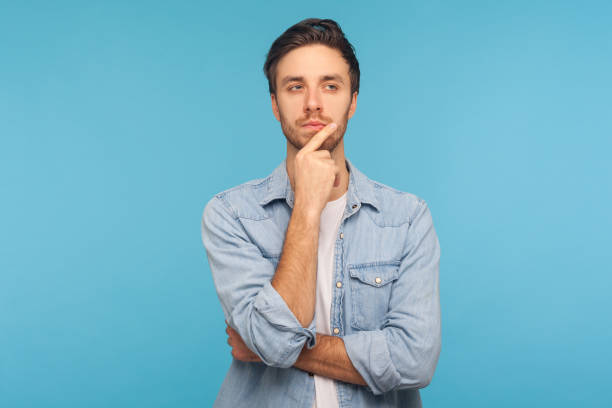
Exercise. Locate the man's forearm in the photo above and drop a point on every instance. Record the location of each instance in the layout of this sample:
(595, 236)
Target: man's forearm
(329, 359)
(296, 275)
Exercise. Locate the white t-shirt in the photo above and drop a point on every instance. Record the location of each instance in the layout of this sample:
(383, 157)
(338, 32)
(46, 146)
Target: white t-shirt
(325, 388)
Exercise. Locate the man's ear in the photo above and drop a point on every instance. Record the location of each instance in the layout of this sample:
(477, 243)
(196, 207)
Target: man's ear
(353, 106)
(275, 107)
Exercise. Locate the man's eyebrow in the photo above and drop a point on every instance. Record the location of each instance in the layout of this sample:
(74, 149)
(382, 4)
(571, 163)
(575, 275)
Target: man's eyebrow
(329, 77)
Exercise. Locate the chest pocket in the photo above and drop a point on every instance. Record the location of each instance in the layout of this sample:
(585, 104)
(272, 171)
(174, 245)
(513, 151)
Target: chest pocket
(370, 291)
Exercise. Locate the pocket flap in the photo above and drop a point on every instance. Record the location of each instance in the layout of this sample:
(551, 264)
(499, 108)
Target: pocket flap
(375, 273)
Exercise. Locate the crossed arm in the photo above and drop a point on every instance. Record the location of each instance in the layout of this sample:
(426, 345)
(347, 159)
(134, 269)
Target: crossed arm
(328, 358)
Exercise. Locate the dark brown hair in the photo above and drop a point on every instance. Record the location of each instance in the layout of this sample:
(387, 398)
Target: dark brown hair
(311, 31)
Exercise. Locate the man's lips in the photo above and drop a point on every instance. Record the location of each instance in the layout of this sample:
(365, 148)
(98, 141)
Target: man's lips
(314, 125)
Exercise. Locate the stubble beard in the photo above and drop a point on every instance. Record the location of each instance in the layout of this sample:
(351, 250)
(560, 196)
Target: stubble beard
(292, 133)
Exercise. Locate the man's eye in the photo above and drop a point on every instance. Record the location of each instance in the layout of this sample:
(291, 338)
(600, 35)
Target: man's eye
(334, 87)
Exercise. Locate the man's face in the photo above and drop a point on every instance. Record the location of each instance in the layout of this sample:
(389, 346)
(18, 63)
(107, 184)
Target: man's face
(313, 84)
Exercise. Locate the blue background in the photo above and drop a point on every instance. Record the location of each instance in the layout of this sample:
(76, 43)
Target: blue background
(118, 122)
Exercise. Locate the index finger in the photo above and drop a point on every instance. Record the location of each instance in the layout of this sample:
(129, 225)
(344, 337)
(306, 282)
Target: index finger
(318, 139)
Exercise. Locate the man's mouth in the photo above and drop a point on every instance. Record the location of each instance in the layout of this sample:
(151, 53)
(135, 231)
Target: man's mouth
(314, 127)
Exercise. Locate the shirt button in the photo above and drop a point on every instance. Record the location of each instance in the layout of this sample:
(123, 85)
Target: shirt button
(338, 284)
(336, 330)
(354, 206)
(311, 374)
(341, 235)
(378, 280)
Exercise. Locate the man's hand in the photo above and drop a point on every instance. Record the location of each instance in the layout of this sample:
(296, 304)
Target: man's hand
(239, 350)
(316, 173)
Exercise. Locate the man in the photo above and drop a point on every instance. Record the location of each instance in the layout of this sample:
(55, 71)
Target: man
(328, 280)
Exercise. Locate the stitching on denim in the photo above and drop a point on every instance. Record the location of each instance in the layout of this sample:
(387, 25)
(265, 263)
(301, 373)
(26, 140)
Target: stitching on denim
(420, 203)
(226, 203)
(255, 183)
(390, 276)
(243, 217)
(386, 226)
(373, 263)
(251, 183)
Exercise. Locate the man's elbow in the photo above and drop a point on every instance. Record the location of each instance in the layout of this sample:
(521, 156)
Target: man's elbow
(417, 373)
(425, 377)
(427, 367)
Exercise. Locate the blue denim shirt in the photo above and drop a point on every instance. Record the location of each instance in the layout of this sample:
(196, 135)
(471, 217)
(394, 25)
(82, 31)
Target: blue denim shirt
(387, 310)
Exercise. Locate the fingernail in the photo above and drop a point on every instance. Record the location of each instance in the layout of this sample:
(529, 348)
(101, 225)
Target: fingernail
(333, 126)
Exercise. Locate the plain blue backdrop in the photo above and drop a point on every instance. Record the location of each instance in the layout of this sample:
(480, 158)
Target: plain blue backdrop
(120, 120)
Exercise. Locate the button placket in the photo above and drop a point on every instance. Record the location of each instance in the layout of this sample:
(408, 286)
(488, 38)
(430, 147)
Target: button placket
(338, 294)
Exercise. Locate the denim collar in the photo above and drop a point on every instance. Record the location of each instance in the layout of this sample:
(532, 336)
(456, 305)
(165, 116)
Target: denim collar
(360, 188)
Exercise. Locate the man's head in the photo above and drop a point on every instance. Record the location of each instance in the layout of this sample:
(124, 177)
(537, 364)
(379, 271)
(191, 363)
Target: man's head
(313, 75)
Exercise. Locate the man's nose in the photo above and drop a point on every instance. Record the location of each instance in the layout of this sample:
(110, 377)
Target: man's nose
(313, 102)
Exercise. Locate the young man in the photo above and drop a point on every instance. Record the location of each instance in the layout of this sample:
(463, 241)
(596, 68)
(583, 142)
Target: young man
(328, 280)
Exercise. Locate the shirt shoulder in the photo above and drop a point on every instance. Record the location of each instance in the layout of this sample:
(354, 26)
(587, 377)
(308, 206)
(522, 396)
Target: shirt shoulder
(243, 200)
(395, 207)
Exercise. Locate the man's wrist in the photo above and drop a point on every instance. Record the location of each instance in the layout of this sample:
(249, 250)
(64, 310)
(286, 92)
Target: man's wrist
(306, 213)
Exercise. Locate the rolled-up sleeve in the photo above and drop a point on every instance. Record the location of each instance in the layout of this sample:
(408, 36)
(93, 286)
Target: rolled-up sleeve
(242, 278)
(404, 352)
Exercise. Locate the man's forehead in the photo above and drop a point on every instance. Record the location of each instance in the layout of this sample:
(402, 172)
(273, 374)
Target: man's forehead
(312, 62)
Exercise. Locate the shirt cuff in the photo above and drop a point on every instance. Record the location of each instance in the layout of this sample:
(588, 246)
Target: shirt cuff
(369, 353)
(272, 307)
